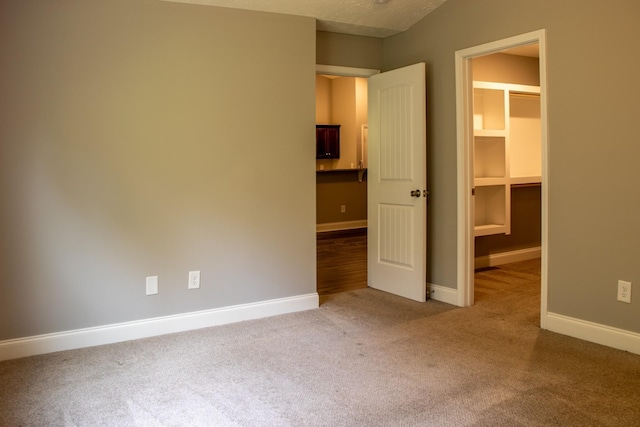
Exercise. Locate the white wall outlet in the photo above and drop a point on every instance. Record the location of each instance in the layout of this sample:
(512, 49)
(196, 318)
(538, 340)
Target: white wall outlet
(152, 285)
(194, 280)
(624, 291)
(343, 208)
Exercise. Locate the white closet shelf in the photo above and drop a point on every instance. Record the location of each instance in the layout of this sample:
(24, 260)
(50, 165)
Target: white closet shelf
(502, 133)
(506, 150)
(523, 180)
(489, 181)
(489, 229)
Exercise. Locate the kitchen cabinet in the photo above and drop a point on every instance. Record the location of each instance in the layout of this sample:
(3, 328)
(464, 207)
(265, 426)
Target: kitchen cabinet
(327, 141)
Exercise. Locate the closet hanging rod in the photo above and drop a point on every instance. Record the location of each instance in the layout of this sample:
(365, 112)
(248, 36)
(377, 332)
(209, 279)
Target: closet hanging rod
(527, 94)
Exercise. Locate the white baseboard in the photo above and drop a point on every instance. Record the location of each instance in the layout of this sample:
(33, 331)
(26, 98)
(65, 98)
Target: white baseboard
(594, 332)
(508, 257)
(443, 294)
(345, 225)
(108, 334)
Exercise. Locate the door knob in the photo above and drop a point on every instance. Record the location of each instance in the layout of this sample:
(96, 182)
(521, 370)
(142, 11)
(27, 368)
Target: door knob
(416, 193)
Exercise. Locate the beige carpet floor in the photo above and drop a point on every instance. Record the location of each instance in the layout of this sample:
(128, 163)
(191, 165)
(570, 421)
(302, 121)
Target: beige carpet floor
(364, 358)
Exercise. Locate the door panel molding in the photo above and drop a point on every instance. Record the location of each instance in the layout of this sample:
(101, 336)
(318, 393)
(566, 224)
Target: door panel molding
(397, 182)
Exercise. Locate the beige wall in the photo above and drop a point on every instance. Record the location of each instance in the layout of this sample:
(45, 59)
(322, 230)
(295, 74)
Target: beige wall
(344, 114)
(323, 100)
(362, 117)
(143, 138)
(340, 188)
(504, 68)
(592, 91)
(348, 50)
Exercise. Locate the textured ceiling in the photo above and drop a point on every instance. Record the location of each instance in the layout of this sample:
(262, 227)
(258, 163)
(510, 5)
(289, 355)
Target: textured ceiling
(361, 17)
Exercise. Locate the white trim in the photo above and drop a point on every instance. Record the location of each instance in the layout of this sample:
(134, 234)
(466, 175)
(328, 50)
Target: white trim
(510, 87)
(108, 334)
(335, 70)
(464, 131)
(492, 260)
(544, 123)
(594, 332)
(344, 225)
(443, 294)
(464, 125)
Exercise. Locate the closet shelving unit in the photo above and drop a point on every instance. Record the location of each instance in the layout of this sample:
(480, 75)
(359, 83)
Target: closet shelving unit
(506, 150)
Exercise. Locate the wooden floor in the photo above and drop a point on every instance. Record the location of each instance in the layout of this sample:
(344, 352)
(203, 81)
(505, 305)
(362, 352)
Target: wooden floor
(342, 261)
(521, 277)
(342, 266)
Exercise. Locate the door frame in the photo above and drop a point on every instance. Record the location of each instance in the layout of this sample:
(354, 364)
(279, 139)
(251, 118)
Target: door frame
(464, 128)
(336, 70)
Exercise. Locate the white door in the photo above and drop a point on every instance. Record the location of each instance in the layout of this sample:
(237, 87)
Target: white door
(397, 178)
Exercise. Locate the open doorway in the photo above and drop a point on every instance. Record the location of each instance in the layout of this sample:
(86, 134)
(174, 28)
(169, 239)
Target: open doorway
(341, 180)
(503, 182)
(507, 175)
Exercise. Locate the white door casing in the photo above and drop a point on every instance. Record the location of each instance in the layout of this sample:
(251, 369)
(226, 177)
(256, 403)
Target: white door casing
(464, 114)
(397, 178)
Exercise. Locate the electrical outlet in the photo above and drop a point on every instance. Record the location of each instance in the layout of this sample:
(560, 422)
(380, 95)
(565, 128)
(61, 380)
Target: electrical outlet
(152, 285)
(194, 280)
(624, 291)
(343, 208)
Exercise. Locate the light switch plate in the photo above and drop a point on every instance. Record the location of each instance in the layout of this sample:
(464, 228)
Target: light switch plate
(194, 280)
(152, 285)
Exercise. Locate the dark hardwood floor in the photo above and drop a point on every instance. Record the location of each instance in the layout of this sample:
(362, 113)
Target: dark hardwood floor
(342, 261)
(342, 266)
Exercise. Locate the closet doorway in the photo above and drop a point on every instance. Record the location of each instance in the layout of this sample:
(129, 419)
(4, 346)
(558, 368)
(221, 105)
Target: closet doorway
(502, 143)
